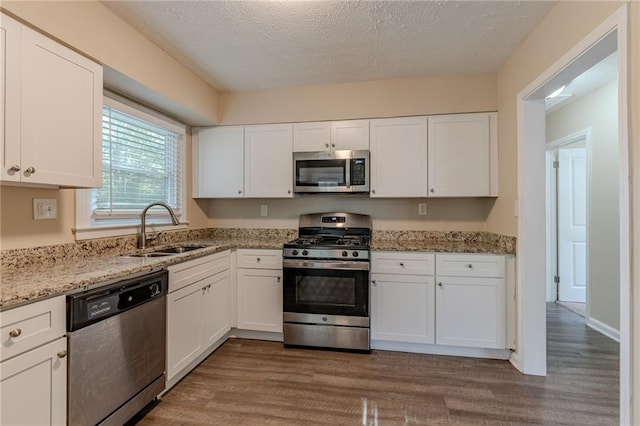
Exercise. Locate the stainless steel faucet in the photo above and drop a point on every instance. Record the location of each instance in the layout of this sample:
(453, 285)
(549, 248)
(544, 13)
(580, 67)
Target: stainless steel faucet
(142, 241)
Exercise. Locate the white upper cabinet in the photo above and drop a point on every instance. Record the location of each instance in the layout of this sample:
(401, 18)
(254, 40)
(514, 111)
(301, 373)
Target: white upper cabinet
(268, 161)
(328, 136)
(463, 155)
(52, 112)
(398, 157)
(219, 162)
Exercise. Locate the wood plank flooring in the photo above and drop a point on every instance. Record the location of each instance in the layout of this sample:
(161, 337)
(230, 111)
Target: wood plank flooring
(249, 382)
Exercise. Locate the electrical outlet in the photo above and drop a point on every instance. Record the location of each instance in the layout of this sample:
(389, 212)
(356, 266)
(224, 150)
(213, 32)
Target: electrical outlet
(45, 208)
(264, 210)
(422, 209)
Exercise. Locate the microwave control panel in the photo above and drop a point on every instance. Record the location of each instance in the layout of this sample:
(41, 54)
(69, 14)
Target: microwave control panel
(358, 171)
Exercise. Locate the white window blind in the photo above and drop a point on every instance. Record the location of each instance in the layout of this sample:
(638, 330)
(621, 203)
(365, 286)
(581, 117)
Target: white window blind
(141, 164)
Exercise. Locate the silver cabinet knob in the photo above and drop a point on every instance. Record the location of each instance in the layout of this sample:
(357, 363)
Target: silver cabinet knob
(326, 145)
(439, 284)
(333, 145)
(30, 170)
(432, 190)
(239, 191)
(288, 191)
(402, 264)
(258, 260)
(373, 282)
(16, 332)
(15, 168)
(62, 354)
(373, 191)
(278, 278)
(470, 266)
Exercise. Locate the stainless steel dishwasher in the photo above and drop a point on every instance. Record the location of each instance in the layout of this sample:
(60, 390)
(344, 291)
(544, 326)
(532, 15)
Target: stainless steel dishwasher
(117, 341)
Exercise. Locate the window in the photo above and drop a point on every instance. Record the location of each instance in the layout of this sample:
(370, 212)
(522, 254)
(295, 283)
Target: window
(142, 162)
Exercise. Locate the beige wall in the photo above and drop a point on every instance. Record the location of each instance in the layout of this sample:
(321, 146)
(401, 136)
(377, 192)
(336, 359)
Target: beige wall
(18, 229)
(370, 99)
(136, 66)
(442, 214)
(558, 32)
(598, 112)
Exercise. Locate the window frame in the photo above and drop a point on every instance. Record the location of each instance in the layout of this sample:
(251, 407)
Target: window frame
(86, 227)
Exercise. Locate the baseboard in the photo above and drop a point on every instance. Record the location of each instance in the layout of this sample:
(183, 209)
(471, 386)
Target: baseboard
(423, 348)
(603, 328)
(514, 359)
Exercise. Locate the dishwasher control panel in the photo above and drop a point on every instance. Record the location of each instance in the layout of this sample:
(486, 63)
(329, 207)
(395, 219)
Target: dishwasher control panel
(85, 308)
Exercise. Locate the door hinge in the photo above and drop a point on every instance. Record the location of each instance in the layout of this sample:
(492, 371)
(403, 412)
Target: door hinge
(556, 279)
(556, 164)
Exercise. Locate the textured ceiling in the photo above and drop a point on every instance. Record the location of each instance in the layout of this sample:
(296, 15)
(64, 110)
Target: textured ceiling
(245, 45)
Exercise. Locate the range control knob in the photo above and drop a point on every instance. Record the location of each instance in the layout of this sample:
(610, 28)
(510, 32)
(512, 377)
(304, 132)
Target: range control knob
(345, 254)
(305, 252)
(355, 254)
(294, 252)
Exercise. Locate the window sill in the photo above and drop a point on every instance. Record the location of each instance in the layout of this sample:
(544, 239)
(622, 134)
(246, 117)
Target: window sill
(104, 231)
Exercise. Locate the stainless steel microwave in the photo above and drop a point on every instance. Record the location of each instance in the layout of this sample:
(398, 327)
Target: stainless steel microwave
(342, 171)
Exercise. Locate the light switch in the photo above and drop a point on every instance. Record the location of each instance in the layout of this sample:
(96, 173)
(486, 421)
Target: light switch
(45, 208)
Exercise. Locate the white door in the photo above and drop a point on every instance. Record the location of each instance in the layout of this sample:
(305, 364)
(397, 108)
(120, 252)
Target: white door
(572, 224)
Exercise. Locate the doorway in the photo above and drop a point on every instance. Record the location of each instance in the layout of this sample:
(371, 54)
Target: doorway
(608, 37)
(567, 167)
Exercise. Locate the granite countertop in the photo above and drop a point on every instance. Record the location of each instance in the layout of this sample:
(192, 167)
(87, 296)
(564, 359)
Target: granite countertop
(22, 285)
(33, 274)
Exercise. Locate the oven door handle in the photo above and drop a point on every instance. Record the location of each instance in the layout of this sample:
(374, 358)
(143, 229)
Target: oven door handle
(323, 264)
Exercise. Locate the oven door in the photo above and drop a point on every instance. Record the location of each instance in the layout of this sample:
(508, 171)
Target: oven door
(326, 287)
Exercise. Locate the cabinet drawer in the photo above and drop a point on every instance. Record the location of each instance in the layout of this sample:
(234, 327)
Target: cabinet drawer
(470, 265)
(32, 325)
(185, 273)
(260, 258)
(402, 263)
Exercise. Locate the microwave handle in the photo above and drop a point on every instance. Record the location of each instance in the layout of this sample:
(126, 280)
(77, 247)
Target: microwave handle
(347, 172)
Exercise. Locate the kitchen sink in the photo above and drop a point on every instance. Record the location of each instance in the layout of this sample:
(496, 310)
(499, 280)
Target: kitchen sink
(168, 251)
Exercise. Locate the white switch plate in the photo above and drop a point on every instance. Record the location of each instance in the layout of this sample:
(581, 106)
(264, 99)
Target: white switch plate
(45, 208)
(422, 209)
(264, 210)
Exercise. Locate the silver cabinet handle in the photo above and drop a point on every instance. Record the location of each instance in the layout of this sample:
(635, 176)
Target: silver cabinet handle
(16, 332)
(402, 264)
(439, 284)
(15, 168)
(62, 354)
(470, 266)
(30, 170)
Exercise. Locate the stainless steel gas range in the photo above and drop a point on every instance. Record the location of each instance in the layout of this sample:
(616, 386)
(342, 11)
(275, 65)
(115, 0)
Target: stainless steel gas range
(326, 282)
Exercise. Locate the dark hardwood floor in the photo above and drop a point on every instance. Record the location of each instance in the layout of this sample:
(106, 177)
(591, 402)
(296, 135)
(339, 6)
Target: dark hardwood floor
(249, 382)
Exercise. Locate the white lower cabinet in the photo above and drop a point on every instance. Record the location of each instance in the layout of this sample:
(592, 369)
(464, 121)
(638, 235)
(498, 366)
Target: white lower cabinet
(33, 364)
(259, 297)
(470, 300)
(402, 308)
(33, 386)
(197, 311)
(452, 300)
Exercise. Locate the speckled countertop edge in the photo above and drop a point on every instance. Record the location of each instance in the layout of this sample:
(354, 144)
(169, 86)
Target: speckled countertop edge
(30, 275)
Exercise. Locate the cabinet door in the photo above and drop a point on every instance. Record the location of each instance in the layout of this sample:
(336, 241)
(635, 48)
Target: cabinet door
(402, 308)
(268, 161)
(309, 137)
(399, 157)
(184, 327)
(61, 114)
(219, 159)
(216, 307)
(459, 156)
(259, 300)
(33, 386)
(470, 312)
(10, 87)
(350, 134)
